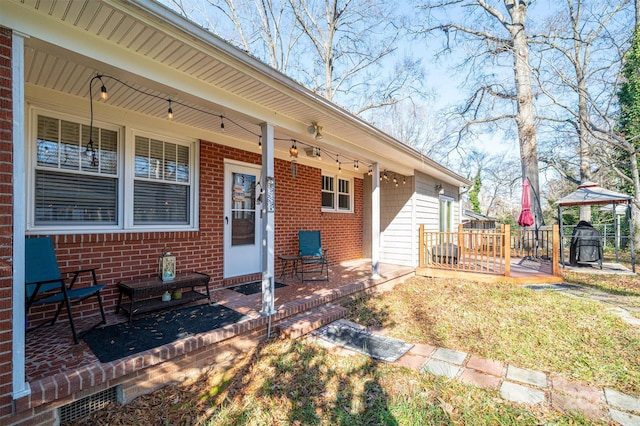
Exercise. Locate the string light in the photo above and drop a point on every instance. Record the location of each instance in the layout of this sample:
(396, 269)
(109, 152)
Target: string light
(90, 150)
(170, 111)
(339, 167)
(404, 180)
(103, 90)
(293, 151)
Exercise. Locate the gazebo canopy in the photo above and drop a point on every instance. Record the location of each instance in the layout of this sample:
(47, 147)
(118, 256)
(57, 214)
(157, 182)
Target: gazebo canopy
(590, 193)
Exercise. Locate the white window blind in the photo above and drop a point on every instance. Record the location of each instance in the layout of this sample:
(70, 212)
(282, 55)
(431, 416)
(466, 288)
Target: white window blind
(73, 185)
(162, 183)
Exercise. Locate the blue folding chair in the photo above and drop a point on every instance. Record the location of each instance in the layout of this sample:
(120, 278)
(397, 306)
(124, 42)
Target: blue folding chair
(45, 284)
(313, 258)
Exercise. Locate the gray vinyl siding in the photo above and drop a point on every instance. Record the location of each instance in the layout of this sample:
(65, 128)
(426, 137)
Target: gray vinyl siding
(402, 210)
(396, 222)
(428, 202)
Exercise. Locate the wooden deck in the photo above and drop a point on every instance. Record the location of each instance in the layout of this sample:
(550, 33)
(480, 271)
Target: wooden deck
(491, 255)
(523, 271)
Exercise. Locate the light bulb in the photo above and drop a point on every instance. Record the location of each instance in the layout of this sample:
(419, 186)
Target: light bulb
(170, 112)
(293, 151)
(103, 93)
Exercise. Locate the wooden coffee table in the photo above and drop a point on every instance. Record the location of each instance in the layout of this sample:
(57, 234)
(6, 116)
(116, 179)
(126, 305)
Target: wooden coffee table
(145, 294)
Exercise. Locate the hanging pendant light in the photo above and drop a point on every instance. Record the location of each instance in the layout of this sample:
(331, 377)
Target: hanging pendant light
(103, 90)
(170, 111)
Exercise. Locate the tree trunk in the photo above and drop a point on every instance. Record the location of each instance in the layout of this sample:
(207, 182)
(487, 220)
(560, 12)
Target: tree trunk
(635, 205)
(583, 137)
(525, 116)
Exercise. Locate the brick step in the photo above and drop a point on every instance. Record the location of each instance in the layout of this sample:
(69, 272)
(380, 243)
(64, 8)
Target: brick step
(309, 321)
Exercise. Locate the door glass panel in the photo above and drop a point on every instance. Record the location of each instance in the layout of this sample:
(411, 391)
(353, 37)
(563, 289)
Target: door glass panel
(243, 209)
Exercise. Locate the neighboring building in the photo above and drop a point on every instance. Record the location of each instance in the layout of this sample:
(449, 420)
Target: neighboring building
(473, 220)
(188, 184)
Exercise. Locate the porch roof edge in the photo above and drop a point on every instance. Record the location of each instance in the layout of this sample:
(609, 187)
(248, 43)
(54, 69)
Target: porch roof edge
(168, 19)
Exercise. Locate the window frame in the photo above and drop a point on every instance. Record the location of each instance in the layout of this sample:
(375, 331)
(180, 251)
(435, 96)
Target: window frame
(336, 193)
(125, 176)
(448, 204)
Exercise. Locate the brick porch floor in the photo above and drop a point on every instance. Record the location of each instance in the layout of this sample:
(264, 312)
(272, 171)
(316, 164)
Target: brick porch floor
(50, 349)
(59, 371)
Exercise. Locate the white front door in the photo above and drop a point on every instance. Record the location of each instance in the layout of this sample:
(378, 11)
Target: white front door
(242, 227)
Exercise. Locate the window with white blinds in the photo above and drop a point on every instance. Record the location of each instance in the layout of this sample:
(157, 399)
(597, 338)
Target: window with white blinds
(74, 186)
(337, 197)
(161, 191)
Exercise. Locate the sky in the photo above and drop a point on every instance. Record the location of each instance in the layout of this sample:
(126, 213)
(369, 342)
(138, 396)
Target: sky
(445, 83)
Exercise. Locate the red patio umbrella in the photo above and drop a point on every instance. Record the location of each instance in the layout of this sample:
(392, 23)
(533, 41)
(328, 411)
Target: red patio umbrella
(526, 218)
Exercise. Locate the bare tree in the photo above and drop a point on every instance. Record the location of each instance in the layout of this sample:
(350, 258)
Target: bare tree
(354, 41)
(265, 28)
(501, 187)
(579, 52)
(344, 50)
(413, 123)
(490, 34)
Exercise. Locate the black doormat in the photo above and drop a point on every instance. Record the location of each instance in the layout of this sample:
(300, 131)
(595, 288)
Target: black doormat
(353, 337)
(561, 286)
(253, 288)
(121, 340)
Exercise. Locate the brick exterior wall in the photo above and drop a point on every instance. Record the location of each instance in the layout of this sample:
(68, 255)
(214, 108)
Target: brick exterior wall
(6, 221)
(299, 207)
(120, 256)
(123, 256)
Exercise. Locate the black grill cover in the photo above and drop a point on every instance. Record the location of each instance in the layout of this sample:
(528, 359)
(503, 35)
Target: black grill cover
(586, 244)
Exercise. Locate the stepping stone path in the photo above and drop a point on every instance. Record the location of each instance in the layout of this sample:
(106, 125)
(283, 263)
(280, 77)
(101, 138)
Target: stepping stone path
(529, 386)
(521, 385)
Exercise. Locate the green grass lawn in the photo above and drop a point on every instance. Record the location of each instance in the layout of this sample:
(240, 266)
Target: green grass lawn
(541, 330)
(285, 382)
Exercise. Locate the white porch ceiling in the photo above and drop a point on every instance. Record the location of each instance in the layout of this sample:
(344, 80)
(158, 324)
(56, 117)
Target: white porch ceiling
(168, 57)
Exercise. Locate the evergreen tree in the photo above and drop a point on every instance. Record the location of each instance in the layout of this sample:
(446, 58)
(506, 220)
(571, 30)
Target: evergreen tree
(629, 99)
(474, 194)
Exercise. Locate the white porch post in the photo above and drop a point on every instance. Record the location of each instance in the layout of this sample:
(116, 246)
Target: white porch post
(375, 221)
(20, 387)
(267, 183)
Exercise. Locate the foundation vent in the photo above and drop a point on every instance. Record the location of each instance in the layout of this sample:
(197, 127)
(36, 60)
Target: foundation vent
(87, 405)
